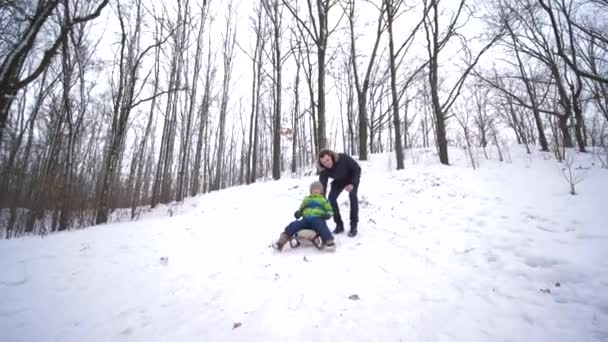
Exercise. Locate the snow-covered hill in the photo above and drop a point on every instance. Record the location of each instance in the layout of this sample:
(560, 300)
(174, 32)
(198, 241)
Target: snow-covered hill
(445, 253)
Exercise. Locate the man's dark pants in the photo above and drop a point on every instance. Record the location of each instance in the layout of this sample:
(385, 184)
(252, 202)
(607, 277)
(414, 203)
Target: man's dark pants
(335, 191)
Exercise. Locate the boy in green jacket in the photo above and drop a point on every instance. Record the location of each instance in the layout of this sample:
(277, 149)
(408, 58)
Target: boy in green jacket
(314, 210)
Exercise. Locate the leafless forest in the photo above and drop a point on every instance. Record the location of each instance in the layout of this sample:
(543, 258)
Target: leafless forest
(118, 106)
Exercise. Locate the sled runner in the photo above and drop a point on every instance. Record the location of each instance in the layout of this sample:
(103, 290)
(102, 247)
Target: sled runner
(307, 236)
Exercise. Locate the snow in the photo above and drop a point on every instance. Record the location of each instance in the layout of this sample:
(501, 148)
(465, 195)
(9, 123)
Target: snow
(444, 253)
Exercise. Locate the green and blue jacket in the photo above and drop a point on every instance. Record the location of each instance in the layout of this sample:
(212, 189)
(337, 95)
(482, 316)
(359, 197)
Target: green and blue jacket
(315, 206)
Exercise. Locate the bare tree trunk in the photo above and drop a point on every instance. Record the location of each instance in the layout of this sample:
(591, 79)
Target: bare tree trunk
(272, 11)
(16, 200)
(390, 15)
(255, 95)
(362, 90)
(141, 153)
(321, 51)
(296, 116)
(166, 193)
(496, 142)
(434, 46)
(160, 174)
(182, 181)
(161, 192)
(207, 170)
(67, 70)
(463, 120)
(344, 139)
(352, 120)
(319, 32)
(40, 193)
(228, 49)
(256, 131)
(71, 63)
(308, 73)
(120, 116)
(203, 122)
(532, 96)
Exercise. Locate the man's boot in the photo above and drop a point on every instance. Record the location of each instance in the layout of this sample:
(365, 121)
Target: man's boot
(283, 239)
(353, 230)
(339, 228)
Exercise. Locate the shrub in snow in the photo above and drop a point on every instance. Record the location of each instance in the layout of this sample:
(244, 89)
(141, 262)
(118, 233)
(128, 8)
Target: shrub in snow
(572, 174)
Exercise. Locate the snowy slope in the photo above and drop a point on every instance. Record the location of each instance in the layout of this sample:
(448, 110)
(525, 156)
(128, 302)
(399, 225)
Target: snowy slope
(502, 253)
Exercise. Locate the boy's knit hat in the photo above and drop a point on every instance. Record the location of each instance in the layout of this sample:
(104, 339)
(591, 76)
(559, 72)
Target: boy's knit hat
(316, 185)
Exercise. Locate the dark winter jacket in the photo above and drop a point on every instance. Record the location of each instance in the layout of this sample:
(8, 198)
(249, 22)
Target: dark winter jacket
(344, 171)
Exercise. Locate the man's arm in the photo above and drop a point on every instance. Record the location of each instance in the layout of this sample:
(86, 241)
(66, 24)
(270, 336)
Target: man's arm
(329, 212)
(327, 207)
(323, 178)
(355, 171)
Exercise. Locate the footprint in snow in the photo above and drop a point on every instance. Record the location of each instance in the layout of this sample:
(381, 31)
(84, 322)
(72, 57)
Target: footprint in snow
(545, 229)
(542, 262)
(127, 331)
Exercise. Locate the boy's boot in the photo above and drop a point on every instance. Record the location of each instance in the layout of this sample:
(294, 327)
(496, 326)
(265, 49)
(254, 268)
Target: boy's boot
(329, 245)
(283, 239)
(353, 229)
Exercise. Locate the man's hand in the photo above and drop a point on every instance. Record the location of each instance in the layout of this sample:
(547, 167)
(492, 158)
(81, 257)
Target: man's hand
(297, 214)
(326, 216)
(349, 187)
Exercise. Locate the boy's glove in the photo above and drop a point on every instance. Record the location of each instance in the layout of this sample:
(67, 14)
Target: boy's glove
(326, 216)
(297, 214)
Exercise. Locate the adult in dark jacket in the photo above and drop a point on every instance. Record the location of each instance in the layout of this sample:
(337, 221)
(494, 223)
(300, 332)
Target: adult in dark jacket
(346, 173)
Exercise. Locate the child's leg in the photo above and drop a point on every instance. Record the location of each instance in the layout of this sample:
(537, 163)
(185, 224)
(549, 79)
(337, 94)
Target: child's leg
(320, 226)
(296, 226)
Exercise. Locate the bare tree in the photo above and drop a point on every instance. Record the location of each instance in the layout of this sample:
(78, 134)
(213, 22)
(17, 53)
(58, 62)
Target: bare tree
(316, 27)
(296, 148)
(11, 66)
(346, 99)
(436, 42)
(596, 57)
(463, 117)
(125, 99)
(258, 25)
(572, 174)
(530, 89)
(275, 14)
(15, 171)
(566, 33)
(482, 119)
(203, 128)
(74, 64)
(185, 157)
(565, 37)
(140, 167)
(229, 39)
(540, 49)
(363, 87)
(524, 21)
(392, 9)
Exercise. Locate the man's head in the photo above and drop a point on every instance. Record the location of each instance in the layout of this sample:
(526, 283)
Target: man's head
(327, 158)
(316, 188)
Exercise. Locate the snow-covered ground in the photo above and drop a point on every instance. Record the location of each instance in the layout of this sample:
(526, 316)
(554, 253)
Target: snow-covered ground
(502, 253)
